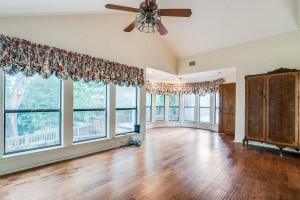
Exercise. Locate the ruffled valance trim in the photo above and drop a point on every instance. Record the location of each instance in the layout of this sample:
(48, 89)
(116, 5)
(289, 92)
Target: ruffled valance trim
(184, 88)
(19, 55)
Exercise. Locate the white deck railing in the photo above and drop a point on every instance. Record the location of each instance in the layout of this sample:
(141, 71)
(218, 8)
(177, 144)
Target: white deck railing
(39, 138)
(47, 138)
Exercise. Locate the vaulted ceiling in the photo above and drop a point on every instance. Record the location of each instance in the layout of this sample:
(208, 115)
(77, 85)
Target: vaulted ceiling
(215, 24)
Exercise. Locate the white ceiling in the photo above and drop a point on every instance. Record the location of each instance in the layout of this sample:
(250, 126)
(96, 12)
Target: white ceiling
(215, 24)
(160, 76)
(55, 7)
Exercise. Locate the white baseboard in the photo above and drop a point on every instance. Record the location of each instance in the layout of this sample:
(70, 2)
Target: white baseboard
(185, 124)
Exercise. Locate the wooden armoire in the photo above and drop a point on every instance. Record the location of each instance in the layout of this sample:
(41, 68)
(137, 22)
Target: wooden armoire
(272, 108)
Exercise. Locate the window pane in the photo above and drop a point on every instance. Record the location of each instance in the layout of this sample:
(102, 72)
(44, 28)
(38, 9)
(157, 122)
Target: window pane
(89, 95)
(125, 121)
(189, 114)
(126, 109)
(28, 131)
(217, 116)
(125, 97)
(173, 114)
(160, 113)
(217, 100)
(148, 99)
(189, 100)
(205, 115)
(31, 92)
(174, 100)
(148, 114)
(89, 125)
(205, 101)
(160, 100)
(36, 129)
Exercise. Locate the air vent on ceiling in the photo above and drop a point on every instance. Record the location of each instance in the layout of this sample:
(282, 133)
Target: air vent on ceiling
(192, 63)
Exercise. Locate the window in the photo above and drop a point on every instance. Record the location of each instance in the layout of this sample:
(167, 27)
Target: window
(32, 113)
(205, 106)
(160, 107)
(217, 108)
(174, 108)
(89, 117)
(148, 107)
(126, 109)
(189, 107)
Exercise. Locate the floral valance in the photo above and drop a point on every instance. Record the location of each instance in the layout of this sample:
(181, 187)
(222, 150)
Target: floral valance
(184, 88)
(18, 55)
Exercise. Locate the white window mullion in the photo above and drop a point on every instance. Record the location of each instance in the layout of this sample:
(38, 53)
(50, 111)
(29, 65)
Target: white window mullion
(142, 109)
(2, 111)
(212, 108)
(111, 112)
(181, 108)
(197, 109)
(67, 112)
(153, 114)
(167, 106)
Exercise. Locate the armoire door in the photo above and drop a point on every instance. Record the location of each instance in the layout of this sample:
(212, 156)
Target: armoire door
(255, 108)
(282, 109)
(227, 108)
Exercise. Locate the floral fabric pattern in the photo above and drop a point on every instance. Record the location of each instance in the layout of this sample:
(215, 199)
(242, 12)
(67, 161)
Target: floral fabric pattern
(19, 55)
(184, 88)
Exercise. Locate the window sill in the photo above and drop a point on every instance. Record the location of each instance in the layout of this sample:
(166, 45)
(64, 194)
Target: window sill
(30, 153)
(127, 134)
(45, 151)
(90, 141)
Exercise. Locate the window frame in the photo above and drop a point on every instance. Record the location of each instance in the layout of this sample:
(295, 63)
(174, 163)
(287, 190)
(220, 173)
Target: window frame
(176, 107)
(92, 110)
(7, 111)
(206, 107)
(216, 107)
(184, 107)
(164, 106)
(149, 107)
(128, 109)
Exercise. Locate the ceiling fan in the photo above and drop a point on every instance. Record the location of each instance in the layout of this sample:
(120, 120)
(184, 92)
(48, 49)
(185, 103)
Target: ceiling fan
(148, 19)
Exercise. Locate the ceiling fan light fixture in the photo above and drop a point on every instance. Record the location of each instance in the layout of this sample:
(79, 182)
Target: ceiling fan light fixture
(147, 22)
(148, 19)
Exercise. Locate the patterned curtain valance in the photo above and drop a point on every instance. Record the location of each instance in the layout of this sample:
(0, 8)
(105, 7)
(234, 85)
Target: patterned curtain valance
(18, 55)
(184, 88)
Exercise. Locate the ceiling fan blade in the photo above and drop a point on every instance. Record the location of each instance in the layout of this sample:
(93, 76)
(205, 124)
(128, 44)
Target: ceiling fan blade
(175, 12)
(130, 27)
(123, 8)
(161, 28)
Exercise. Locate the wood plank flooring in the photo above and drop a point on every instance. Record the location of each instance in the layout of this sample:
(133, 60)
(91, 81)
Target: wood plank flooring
(174, 163)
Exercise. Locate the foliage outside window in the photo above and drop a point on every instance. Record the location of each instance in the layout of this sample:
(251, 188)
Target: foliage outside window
(32, 113)
(89, 117)
(126, 109)
(148, 107)
(160, 107)
(174, 104)
(205, 108)
(189, 107)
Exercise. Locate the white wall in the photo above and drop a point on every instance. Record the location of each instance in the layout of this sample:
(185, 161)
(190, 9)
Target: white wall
(97, 35)
(255, 57)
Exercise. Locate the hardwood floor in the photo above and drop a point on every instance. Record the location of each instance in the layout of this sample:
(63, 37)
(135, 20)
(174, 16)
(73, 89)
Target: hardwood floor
(174, 163)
